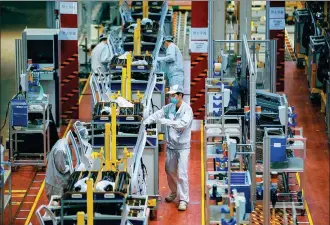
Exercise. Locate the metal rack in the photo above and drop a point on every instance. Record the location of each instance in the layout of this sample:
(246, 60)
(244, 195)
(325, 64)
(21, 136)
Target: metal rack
(33, 158)
(294, 165)
(5, 195)
(316, 46)
(162, 18)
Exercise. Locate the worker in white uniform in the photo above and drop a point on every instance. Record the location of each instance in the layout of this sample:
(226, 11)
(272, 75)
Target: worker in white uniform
(101, 56)
(58, 170)
(177, 117)
(173, 63)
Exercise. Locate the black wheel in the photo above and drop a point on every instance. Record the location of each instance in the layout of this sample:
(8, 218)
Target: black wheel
(153, 214)
(44, 168)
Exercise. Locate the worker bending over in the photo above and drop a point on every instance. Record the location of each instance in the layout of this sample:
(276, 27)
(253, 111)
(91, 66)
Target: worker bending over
(173, 63)
(101, 56)
(58, 170)
(177, 117)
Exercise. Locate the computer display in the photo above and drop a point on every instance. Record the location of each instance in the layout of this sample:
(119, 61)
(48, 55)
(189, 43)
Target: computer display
(40, 51)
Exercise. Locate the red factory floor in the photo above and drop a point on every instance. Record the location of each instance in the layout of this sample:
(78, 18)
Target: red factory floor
(27, 183)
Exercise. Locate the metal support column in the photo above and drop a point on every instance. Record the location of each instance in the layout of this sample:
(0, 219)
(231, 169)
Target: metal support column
(219, 30)
(253, 78)
(210, 25)
(113, 137)
(266, 179)
(90, 202)
(245, 15)
(273, 47)
(129, 77)
(107, 147)
(267, 19)
(50, 14)
(19, 62)
(137, 38)
(145, 9)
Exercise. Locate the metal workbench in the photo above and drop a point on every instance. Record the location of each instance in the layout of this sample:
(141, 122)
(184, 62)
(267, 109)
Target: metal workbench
(32, 158)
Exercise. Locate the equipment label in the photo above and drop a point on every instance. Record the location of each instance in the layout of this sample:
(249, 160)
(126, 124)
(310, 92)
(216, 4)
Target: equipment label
(198, 46)
(199, 33)
(68, 7)
(68, 34)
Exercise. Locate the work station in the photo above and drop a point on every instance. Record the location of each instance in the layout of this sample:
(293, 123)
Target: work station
(167, 112)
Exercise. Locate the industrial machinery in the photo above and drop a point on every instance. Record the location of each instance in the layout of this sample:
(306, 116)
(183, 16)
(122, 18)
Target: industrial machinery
(142, 23)
(119, 183)
(30, 122)
(39, 48)
(317, 47)
(237, 134)
(111, 204)
(110, 186)
(302, 17)
(308, 22)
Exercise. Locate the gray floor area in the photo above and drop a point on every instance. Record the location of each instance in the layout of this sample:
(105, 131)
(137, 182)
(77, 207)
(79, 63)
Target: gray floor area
(15, 16)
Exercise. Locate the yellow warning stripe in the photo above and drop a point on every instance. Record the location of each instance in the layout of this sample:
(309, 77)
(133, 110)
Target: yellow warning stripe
(309, 216)
(27, 221)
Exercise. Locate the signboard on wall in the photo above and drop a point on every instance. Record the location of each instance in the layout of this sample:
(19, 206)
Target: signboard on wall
(276, 13)
(276, 24)
(199, 33)
(199, 46)
(68, 7)
(68, 34)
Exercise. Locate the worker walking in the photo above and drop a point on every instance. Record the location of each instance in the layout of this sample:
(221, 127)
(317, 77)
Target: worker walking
(101, 56)
(174, 63)
(177, 117)
(58, 170)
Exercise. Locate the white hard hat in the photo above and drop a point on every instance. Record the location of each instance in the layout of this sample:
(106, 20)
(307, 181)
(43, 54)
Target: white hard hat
(168, 38)
(175, 89)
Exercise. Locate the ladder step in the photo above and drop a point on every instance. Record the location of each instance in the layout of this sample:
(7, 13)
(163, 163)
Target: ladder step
(21, 218)
(31, 195)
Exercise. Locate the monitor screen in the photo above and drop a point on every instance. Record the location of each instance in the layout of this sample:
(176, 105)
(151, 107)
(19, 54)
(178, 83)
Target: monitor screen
(40, 51)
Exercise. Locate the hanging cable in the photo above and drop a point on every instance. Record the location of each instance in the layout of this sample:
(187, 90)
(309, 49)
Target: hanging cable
(152, 105)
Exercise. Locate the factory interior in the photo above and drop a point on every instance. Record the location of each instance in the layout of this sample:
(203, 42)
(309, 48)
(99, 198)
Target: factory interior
(165, 112)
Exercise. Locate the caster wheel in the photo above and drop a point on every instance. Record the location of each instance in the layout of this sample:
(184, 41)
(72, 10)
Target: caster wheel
(303, 212)
(153, 215)
(43, 169)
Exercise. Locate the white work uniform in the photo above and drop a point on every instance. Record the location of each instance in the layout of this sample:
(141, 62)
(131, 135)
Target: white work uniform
(178, 135)
(174, 65)
(58, 171)
(101, 56)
